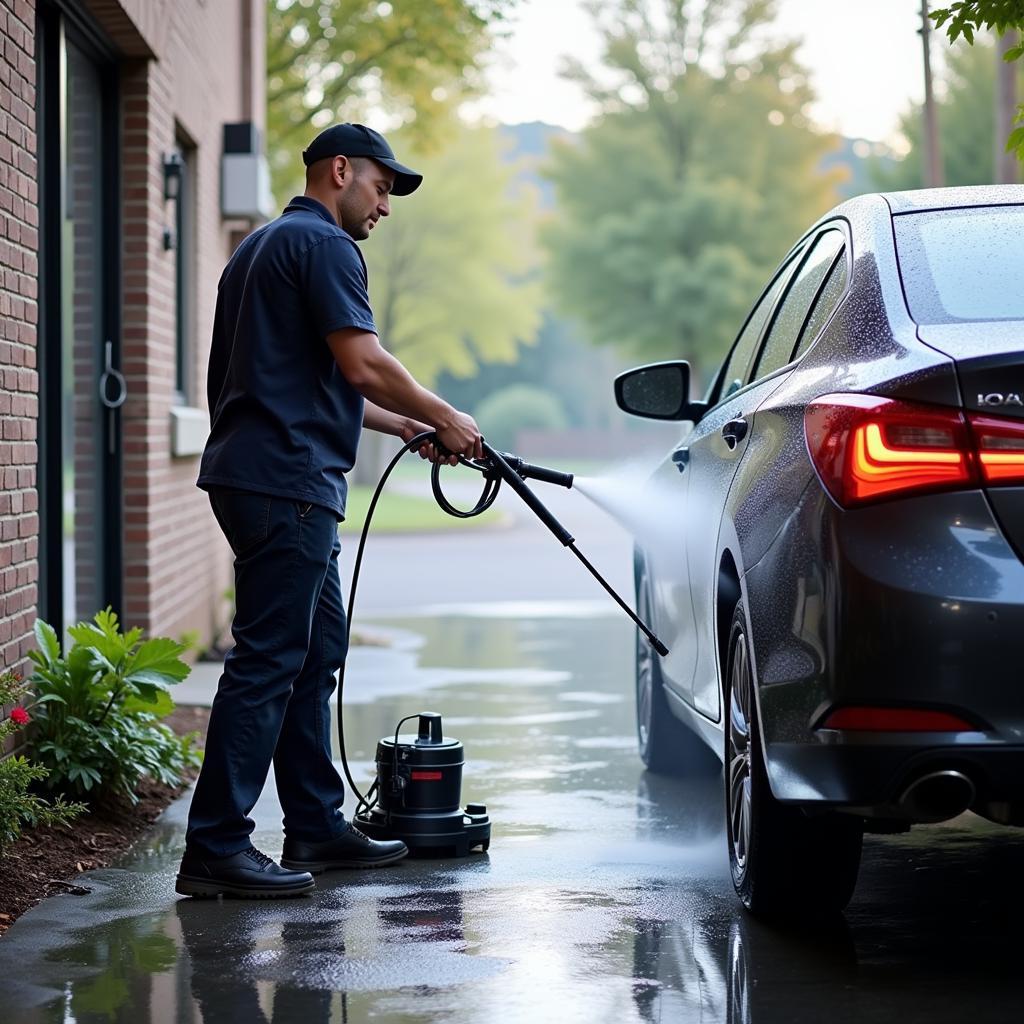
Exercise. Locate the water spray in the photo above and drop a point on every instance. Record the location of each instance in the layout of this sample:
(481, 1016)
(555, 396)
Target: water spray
(416, 796)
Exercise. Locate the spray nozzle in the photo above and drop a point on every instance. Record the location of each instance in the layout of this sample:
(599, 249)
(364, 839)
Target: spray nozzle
(526, 471)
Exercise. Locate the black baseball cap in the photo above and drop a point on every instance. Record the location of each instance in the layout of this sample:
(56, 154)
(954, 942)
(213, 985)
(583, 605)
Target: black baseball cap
(358, 140)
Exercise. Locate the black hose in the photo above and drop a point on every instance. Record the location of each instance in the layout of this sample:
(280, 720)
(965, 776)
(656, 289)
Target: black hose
(495, 467)
(492, 484)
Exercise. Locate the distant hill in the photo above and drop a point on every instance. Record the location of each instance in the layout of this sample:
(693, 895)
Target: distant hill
(529, 145)
(532, 139)
(857, 155)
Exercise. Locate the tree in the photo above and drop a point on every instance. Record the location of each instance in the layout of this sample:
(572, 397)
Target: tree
(965, 121)
(966, 18)
(700, 174)
(451, 278)
(452, 271)
(350, 60)
(561, 359)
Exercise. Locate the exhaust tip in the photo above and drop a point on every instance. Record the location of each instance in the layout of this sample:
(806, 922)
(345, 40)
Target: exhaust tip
(937, 796)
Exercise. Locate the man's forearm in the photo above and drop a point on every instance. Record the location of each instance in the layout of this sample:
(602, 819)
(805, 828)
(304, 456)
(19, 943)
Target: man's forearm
(385, 382)
(379, 377)
(376, 418)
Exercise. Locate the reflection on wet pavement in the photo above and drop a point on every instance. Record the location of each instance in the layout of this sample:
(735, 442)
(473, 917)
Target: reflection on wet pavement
(604, 897)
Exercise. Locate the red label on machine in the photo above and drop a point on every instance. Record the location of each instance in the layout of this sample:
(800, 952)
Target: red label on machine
(426, 776)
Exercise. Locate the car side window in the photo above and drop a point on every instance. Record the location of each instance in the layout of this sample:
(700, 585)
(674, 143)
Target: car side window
(828, 298)
(790, 315)
(739, 359)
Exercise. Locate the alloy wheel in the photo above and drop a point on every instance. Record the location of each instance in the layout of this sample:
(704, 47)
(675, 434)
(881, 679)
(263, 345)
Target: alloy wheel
(739, 755)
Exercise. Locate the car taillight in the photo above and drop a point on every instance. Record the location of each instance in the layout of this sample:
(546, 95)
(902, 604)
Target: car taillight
(1000, 444)
(865, 447)
(875, 719)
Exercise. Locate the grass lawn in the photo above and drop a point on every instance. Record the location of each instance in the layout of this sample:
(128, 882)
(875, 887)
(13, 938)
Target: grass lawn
(401, 512)
(397, 512)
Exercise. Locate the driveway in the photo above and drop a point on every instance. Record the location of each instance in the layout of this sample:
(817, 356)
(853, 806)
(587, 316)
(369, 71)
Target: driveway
(604, 896)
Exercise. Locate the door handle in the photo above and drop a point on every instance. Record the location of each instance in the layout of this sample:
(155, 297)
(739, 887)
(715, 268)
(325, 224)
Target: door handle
(734, 431)
(111, 373)
(681, 457)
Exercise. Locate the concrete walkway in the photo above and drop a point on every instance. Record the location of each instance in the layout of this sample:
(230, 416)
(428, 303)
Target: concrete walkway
(493, 571)
(604, 898)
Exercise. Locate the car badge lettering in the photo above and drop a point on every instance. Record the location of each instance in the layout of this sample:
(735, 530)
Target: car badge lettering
(995, 398)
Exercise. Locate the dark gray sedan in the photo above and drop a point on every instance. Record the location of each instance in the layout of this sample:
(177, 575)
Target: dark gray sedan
(842, 591)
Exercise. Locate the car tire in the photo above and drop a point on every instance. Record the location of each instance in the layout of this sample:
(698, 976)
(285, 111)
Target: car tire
(784, 862)
(667, 747)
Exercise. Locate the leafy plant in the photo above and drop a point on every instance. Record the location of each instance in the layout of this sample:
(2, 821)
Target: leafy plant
(350, 60)
(190, 640)
(18, 806)
(99, 729)
(965, 18)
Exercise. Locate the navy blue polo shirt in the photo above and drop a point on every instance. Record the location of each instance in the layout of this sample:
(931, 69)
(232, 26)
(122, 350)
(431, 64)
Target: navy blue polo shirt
(283, 419)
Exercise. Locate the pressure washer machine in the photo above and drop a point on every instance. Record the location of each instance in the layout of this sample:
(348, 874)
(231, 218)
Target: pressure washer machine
(417, 794)
(419, 782)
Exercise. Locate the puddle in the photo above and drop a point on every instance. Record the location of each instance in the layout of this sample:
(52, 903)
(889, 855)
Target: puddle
(604, 897)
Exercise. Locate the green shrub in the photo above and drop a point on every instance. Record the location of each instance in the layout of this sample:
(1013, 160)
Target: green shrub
(99, 729)
(502, 414)
(19, 806)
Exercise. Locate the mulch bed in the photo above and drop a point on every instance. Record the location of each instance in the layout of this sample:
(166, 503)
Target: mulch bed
(45, 860)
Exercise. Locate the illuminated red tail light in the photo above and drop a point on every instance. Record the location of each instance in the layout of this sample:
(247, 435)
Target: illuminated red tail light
(1000, 445)
(866, 448)
(867, 719)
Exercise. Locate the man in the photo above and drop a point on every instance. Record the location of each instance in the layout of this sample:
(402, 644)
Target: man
(296, 369)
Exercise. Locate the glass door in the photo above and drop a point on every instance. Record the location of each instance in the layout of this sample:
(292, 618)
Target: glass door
(80, 388)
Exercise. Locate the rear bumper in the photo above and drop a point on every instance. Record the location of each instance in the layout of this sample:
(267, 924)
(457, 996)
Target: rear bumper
(912, 603)
(873, 772)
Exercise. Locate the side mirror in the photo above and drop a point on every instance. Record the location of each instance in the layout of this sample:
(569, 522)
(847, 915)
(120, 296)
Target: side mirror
(659, 391)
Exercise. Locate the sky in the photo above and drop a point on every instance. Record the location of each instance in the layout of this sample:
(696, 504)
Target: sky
(864, 59)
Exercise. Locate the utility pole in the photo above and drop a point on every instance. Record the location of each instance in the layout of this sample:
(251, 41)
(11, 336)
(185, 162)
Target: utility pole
(1005, 166)
(933, 156)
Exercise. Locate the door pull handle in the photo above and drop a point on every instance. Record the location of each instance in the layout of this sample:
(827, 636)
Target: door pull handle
(734, 431)
(681, 457)
(111, 373)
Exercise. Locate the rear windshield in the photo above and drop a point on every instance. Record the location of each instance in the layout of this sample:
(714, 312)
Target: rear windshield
(963, 265)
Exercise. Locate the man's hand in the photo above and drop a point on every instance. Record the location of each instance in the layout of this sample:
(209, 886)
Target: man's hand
(461, 435)
(410, 428)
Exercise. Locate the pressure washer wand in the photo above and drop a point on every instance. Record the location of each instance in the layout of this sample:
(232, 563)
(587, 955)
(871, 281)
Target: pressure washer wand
(512, 477)
(495, 468)
(518, 484)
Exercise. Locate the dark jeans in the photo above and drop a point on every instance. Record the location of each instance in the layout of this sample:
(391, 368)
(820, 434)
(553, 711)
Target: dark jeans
(272, 699)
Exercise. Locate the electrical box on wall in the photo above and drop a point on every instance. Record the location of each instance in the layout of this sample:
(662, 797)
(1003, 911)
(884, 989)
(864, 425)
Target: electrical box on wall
(189, 430)
(245, 174)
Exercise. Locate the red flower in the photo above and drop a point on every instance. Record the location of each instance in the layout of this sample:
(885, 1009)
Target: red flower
(19, 716)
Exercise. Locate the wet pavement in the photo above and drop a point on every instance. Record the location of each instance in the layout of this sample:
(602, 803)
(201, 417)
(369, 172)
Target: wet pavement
(604, 896)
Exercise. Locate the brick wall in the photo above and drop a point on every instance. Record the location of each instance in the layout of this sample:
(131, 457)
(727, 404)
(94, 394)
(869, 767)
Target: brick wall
(19, 383)
(177, 565)
(186, 67)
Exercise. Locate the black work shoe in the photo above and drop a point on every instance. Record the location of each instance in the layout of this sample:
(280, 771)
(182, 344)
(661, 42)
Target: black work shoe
(246, 875)
(349, 850)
